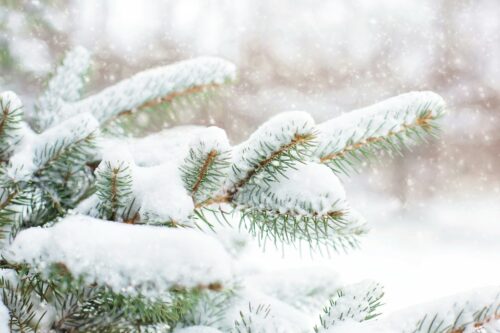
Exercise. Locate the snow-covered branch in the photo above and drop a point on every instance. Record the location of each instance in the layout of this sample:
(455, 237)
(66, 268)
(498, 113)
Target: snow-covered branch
(389, 125)
(154, 86)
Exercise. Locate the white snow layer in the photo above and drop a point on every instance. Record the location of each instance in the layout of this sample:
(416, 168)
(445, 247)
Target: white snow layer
(153, 84)
(4, 318)
(127, 258)
(376, 120)
(311, 187)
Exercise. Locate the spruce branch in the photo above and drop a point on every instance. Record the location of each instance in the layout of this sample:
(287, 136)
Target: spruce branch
(20, 299)
(267, 167)
(333, 230)
(114, 189)
(391, 125)
(205, 167)
(11, 115)
(158, 85)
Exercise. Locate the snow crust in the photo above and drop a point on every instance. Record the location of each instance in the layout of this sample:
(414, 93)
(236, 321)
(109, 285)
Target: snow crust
(127, 258)
(153, 84)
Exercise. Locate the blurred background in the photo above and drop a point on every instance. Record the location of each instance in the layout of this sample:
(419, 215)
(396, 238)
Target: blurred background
(434, 213)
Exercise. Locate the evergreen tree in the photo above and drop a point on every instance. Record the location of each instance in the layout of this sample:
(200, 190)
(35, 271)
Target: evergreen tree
(106, 233)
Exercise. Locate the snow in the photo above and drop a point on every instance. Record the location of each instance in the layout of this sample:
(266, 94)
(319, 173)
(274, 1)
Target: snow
(153, 84)
(161, 194)
(168, 145)
(156, 178)
(4, 318)
(311, 187)
(127, 258)
(211, 138)
(268, 138)
(377, 120)
(36, 150)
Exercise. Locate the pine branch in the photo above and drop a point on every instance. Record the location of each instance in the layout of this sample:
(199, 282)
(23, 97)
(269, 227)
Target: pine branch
(18, 297)
(276, 163)
(11, 115)
(334, 230)
(114, 189)
(204, 169)
(275, 147)
(158, 85)
(391, 125)
(13, 211)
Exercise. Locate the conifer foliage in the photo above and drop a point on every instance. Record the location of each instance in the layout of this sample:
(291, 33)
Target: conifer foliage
(107, 233)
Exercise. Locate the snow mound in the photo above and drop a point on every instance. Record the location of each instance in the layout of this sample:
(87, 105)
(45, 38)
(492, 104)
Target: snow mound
(127, 258)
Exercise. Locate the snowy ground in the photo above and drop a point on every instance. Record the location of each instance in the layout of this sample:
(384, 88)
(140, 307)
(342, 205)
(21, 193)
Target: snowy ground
(420, 252)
